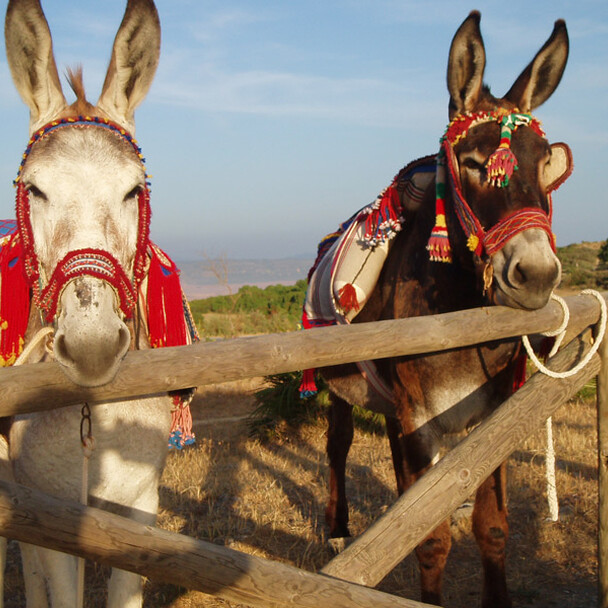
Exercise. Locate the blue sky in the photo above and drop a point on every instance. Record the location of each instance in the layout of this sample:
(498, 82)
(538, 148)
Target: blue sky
(270, 122)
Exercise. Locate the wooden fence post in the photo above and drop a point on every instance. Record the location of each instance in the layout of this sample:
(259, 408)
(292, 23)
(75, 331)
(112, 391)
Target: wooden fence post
(602, 437)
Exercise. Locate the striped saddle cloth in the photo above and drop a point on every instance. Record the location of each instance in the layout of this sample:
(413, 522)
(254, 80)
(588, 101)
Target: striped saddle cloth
(349, 261)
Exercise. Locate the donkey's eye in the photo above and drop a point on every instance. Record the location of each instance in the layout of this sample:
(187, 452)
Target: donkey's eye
(471, 163)
(133, 193)
(36, 192)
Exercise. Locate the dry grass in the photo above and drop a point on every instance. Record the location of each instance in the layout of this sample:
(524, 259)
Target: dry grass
(268, 499)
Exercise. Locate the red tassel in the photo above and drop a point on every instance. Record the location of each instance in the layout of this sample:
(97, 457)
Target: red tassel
(308, 386)
(14, 301)
(439, 244)
(519, 376)
(166, 323)
(500, 166)
(347, 298)
(181, 424)
(167, 327)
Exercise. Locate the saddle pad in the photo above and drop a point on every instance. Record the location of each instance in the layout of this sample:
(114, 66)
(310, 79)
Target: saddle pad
(7, 227)
(349, 261)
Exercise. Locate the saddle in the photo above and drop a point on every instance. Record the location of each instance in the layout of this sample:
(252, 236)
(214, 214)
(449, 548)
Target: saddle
(349, 261)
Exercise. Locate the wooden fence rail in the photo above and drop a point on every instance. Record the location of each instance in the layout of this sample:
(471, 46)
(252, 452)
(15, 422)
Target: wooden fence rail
(459, 473)
(28, 516)
(43, 386)
(33, 517)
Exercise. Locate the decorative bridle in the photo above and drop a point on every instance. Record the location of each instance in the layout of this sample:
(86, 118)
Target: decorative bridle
(82, 262)
(165, 311)
(500, 167)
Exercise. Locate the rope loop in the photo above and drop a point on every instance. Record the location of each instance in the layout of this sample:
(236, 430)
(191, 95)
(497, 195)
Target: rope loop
(42, 334)
(560, 333)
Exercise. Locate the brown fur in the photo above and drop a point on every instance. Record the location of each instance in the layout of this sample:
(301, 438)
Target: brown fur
(451, 391)
(81, 107)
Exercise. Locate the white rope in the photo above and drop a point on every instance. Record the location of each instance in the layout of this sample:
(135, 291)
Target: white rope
(45, 332)
(552, 500)
(559, 334)
(562, 332)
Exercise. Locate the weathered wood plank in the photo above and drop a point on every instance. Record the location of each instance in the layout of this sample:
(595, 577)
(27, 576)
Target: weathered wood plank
(33, 517)
(43, 385)
(446, 485)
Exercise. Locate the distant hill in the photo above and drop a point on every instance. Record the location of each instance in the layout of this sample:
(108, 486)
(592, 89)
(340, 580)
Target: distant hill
(581, 267)
(223, 277)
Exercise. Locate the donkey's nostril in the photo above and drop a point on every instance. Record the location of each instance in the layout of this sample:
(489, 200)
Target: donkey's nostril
(518, 275)
(124, 341)
(60, 350)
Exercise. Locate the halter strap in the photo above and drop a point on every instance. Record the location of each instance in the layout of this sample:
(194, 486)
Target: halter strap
(90, 262)
(79, 121)
(500, 167)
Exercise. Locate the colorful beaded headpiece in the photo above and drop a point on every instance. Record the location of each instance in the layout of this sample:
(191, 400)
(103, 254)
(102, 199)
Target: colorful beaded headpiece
(80, 121)
(90, 262)
(168, 318)
(500, 167)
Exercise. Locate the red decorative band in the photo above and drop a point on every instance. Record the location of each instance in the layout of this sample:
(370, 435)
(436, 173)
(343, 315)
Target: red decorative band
(86, 262)
(523, 219)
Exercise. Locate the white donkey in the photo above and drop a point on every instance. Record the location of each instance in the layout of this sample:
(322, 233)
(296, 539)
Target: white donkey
(82, 207)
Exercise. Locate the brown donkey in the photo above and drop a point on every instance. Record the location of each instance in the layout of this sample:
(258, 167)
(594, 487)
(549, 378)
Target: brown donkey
(488, 212)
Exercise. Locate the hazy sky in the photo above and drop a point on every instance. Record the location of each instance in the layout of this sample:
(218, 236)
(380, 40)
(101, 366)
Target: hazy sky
(270, 122)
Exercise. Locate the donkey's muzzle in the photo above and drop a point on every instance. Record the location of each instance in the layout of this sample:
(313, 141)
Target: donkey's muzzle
(91, 339)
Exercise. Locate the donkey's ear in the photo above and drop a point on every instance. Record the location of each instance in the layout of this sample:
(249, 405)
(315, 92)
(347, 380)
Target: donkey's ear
(466, 65)
(538, 81)
(133, 63)
(29, 51)
(559, 168)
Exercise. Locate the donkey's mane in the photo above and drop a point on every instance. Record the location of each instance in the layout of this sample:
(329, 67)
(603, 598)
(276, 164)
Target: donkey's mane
(75, 79)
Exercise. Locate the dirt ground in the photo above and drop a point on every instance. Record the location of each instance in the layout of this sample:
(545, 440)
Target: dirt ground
(267, 499)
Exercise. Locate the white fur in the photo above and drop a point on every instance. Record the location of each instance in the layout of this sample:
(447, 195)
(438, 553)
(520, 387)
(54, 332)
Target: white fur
(81, 184)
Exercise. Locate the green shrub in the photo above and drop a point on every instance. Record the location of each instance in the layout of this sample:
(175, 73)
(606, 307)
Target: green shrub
(251, 310)
(280, 402)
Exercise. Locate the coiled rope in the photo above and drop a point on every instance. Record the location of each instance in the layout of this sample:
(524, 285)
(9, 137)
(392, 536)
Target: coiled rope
(559, 335)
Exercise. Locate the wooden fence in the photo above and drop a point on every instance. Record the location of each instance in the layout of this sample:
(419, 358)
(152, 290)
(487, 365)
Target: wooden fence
(346, 581)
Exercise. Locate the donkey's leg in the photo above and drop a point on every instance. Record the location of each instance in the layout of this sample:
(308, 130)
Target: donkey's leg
(491, 531)
(35, 585)
(339, 440)
(125, 589)
(61, 573)
(411, 459)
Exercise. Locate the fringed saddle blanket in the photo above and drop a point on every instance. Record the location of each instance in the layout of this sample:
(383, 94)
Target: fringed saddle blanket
(167, 316)
(349, 261)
